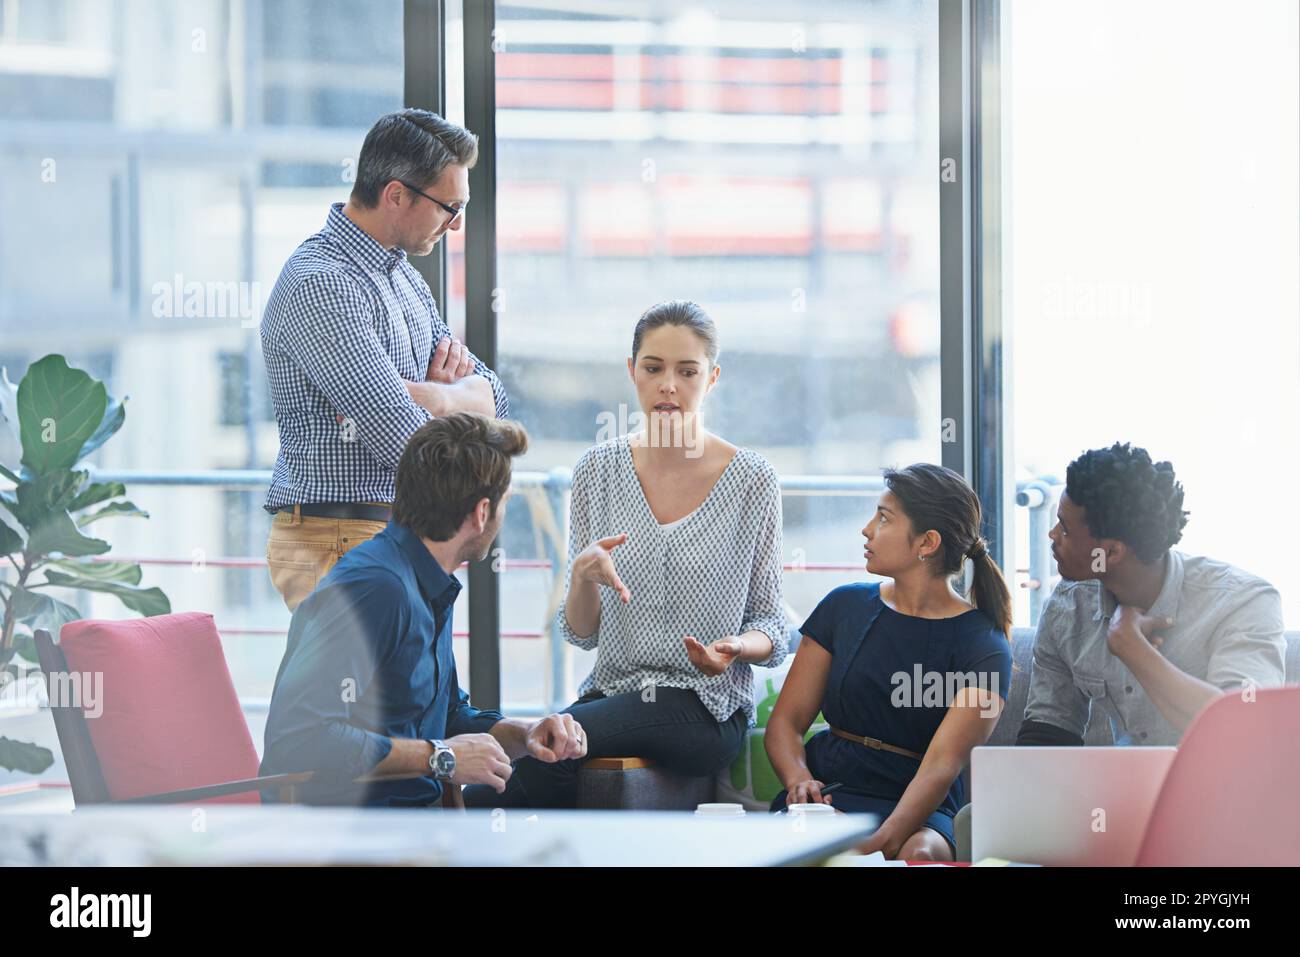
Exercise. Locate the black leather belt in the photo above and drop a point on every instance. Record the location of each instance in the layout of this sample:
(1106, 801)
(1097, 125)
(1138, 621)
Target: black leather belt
(363, 511)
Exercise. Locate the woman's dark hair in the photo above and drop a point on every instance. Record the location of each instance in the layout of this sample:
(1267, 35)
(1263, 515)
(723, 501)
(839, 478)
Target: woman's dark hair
(411, 146)
(1125, 495)
(934, 497)
(678, 312)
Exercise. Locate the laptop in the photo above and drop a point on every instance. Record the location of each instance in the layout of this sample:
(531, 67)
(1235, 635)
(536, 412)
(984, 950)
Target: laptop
(1064, 806)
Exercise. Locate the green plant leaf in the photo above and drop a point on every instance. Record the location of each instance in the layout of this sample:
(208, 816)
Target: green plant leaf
(122, 509)
(146, 601)
(34, 499)
(24, 756)
(9, 475)
(25, 645)
(114, 416)
(10, 541)
(41, 611)
(124, 573)
(94, 493)
(58, 536)
(59, 410)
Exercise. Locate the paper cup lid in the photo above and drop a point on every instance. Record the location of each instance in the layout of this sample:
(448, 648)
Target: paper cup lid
(720, 809)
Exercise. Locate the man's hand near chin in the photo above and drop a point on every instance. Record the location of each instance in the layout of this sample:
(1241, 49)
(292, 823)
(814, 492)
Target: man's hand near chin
(1176, 694)
(1133, 633)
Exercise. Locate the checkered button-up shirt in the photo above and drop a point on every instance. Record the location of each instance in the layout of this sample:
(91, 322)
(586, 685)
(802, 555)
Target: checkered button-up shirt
(347, 322)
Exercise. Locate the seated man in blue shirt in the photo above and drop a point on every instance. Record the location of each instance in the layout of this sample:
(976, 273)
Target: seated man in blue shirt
(368, 682)
(1138, 633)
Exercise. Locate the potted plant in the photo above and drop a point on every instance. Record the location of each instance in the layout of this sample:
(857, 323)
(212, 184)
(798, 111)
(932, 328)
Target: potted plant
(59, 415)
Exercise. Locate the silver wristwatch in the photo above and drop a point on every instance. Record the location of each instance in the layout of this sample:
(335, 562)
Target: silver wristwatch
(442, 763)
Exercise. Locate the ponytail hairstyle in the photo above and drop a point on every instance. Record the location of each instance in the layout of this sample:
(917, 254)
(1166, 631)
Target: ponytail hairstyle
(938, 498)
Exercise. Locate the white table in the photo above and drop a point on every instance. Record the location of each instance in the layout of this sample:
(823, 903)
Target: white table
(298, 835)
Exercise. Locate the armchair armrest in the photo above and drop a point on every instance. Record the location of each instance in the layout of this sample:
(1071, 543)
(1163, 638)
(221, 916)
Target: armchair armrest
(287, 785)
(187, 795)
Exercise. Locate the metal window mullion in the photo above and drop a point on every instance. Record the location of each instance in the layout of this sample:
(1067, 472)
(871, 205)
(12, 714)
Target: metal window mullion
(973, 358)
(955, 363)
(974, 350)
(991, 345)
(480, 319)
(424, 86)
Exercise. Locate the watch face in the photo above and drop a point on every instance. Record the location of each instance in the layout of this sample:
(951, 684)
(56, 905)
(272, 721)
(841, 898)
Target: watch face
(445, 761)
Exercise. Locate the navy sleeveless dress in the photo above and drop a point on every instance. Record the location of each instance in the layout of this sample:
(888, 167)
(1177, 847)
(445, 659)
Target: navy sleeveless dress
(891, 678)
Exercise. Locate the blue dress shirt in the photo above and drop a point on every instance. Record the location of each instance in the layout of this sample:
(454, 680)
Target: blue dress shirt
(369, 658)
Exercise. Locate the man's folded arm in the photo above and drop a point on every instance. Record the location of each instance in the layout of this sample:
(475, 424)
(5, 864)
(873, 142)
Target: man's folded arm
(499, 398)
(331, 335)
(441, 330)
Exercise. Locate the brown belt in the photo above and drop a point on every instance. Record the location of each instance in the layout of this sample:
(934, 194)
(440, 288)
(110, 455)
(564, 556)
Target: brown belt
(874, 743)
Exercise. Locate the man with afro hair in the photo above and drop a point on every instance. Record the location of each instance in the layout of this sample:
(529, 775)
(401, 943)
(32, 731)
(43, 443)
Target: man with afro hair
(1137, 633)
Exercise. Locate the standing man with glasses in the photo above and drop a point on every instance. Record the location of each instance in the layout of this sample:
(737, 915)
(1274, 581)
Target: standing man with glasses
(357, 355)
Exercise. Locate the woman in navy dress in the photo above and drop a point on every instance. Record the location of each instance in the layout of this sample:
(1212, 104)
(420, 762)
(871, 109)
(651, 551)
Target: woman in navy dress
(909, 675)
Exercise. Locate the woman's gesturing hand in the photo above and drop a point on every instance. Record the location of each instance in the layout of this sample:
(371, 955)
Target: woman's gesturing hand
(713, 659)
(596, 564)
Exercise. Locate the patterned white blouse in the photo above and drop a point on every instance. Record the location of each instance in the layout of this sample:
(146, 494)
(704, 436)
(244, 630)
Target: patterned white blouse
(714, 574)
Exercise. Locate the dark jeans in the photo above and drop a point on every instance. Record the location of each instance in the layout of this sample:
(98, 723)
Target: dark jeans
(674, 730)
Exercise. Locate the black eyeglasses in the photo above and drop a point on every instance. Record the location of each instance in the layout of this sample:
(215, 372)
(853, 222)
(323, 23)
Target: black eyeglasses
(455, 213)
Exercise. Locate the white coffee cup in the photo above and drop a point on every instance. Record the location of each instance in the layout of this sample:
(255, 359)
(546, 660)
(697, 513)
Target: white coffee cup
(810, 810)
(720, 810)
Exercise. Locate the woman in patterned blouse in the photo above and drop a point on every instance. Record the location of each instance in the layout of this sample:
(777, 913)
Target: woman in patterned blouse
(674, 576)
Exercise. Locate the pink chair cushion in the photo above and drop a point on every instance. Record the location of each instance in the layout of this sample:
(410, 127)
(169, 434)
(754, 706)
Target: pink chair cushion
(170, 718)
(1229, 799)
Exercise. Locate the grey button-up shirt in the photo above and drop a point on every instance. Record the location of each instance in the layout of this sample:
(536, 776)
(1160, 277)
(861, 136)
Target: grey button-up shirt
(1227, 631)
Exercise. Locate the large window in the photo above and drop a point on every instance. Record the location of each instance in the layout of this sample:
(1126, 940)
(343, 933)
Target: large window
(1153, 231)
(782, 173)
(146, 147)
(780, 168)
